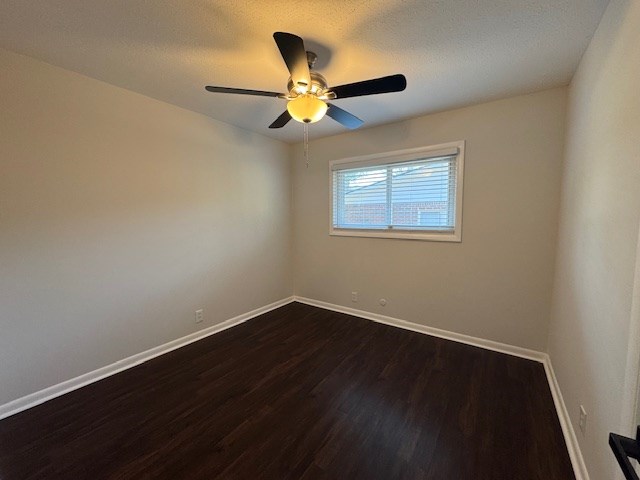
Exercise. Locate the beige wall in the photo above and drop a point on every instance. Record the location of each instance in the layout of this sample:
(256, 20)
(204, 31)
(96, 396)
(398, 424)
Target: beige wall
(119, 217)
(496, 284)
(597, 248)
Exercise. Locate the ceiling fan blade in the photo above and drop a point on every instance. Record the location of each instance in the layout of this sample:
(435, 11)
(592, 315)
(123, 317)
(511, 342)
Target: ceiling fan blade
(242, 91)
(281, 121)
(292, 49)
(392, 83)
(342, 116)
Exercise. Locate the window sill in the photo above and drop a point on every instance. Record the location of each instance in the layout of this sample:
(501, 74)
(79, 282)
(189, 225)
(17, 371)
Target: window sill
(429, 236)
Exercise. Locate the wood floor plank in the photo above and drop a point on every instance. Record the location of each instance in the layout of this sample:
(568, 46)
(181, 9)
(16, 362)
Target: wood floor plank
(300, 393)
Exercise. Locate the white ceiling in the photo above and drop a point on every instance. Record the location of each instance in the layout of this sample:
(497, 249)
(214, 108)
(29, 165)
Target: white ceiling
(453, 52)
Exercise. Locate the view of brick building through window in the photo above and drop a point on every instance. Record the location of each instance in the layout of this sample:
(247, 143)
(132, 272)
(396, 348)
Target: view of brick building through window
(408, 213)
(411, 196)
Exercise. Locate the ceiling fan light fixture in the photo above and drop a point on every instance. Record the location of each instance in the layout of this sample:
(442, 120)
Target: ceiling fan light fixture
(307, 108)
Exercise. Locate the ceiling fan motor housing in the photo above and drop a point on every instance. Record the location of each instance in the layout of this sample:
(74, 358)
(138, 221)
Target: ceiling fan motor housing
(318, 85)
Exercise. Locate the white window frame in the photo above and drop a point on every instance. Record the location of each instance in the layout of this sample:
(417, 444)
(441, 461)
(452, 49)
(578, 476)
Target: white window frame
(404, 156)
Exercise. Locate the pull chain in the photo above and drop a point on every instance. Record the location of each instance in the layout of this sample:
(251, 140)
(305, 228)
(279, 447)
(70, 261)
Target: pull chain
(306, 144)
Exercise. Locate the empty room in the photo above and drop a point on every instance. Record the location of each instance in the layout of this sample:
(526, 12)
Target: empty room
(263, 240)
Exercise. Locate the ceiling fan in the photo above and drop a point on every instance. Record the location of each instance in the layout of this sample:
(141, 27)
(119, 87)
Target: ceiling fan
(308, 91)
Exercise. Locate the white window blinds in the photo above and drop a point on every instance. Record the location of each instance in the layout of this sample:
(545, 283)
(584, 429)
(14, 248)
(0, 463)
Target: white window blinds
(416, 194)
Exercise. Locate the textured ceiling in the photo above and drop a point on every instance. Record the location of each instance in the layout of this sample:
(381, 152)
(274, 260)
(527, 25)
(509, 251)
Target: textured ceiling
(453, 52)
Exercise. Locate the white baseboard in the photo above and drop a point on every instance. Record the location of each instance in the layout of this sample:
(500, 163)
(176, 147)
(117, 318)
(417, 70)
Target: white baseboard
(577, 461)
(434, 332)
(575, 454)
(41, 396)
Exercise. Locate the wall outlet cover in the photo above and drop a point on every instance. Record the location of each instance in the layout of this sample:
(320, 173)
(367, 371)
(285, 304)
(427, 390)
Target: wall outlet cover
(583, 420)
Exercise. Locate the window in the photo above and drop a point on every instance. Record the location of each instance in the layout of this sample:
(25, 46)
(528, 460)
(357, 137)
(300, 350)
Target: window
(414, 194)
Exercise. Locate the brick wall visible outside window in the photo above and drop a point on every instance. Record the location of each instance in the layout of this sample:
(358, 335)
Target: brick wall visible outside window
(403, 213)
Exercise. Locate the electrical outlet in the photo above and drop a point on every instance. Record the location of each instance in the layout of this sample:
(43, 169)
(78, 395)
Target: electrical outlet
(583, 420)
(354, 296)
(199, 316)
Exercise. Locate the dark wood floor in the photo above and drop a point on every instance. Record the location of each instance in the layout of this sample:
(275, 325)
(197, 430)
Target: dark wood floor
(300, 393)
